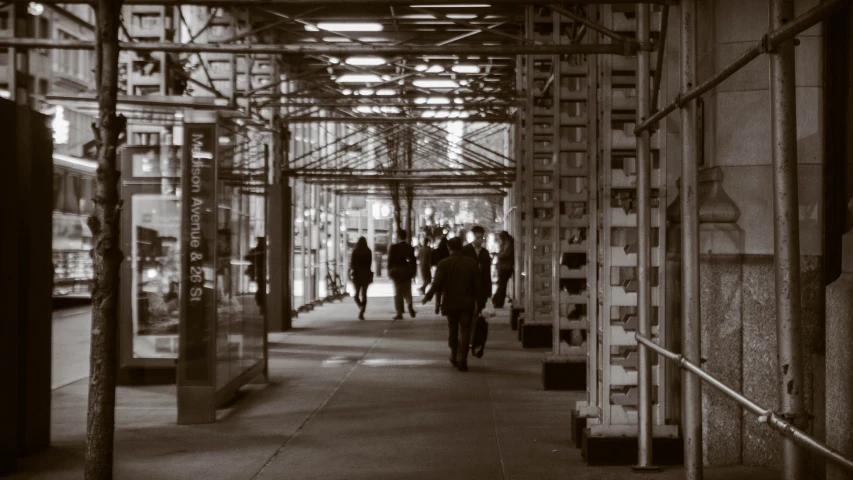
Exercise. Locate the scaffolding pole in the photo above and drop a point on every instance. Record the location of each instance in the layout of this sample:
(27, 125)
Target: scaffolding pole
(691, 340)
(644, 236)
(786, 236)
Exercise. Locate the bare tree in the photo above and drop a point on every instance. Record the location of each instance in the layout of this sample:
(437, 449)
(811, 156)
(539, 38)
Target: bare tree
(410, 188)
(106, 253)
(392, 141)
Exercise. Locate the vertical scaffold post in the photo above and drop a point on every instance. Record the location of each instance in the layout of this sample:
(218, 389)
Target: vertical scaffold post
(644, 236)
(786, 236)
(690, 320)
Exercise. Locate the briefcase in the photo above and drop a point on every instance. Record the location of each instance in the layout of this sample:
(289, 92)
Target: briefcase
(478, 340)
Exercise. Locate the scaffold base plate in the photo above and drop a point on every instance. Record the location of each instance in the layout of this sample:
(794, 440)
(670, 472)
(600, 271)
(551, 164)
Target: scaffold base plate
(578, 426)
(603, 451)
(566, 373)
(514, 316)
(536, 335)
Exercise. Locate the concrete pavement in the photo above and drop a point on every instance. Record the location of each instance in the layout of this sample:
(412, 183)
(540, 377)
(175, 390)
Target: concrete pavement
(376, 399)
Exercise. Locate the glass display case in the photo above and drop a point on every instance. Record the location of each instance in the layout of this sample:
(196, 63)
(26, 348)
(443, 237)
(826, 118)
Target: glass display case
(151, 242)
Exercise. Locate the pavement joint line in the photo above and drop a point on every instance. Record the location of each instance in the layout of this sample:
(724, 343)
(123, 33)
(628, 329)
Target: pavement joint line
(504, 473)
(68, 383)
(320, 407)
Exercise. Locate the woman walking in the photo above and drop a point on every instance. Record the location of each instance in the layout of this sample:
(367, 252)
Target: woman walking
(361, 274)
(438, 254)
(506, 268)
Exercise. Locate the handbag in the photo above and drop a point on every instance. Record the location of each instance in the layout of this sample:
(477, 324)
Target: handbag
(478, 340)
(488, 311)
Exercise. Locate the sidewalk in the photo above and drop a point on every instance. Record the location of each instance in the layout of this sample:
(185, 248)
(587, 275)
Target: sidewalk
(353, 400)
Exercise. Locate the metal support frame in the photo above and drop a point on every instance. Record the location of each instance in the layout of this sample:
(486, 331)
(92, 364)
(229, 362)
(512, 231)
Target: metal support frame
(768, 43)
(325, 49)
(786, 236)
(772, 419)
(644, 236)
(273, 3)
(691, 331)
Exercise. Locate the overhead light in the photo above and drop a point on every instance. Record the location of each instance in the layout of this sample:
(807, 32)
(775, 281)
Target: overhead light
(420, 100)
(364, 109)
(35, 9)
(372, 39)
(346, 91)
(359, 78)
(386, 78)
(462, 16)
(442, 114)
(428, 114)
(336, 39)
(463, 82)
(334, 60)
(366, 91)
(438, 101)
(435, 69)
(421, 67)
(346, 27)
(459, 5)
(365, 61)
(435, 83)
(386, 91)
(466, 69)
(458, 101)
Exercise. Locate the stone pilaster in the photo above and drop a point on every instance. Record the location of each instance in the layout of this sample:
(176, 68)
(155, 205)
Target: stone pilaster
(839, 360)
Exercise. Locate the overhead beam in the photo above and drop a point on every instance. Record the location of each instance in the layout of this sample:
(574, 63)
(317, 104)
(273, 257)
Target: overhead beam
(326, 49)
(274, 3)
(303, 119)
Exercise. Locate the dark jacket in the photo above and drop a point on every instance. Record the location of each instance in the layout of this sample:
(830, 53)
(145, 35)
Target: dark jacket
(485, 271)
(402, 263)
(506, 257)
(457, 278)
(438, 254)
(360, 263)
(425, 255)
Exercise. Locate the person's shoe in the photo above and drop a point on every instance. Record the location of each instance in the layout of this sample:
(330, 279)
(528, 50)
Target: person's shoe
(411, 312)
(462, 367)
(453, 361)
(398, 317)
(437, 309)
(361, 316)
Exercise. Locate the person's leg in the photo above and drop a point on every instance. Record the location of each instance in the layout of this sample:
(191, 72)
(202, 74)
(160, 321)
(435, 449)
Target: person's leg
(453, 335)
(364, 297)
(437, 302)
(465, 323)
(398, 298)
(407, 294)
(500, 294)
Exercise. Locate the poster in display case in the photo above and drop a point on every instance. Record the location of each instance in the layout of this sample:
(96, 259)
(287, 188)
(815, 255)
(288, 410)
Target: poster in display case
(155, 275)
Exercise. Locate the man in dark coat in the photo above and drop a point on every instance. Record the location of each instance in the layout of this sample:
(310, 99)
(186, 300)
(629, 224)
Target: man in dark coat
(476, 251)
(402, 266)
(457, 277)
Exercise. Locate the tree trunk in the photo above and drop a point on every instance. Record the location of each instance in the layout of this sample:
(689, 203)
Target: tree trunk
(106, 254)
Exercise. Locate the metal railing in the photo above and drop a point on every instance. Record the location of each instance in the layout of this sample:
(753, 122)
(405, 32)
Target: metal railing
(764, 415)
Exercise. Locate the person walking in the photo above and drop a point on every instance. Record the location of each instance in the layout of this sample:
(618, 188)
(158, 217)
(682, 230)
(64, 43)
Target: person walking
(257, 272)
(506, 268)
(438, 254)
(458, 278)
(477, 252)
(424, 264)
(402, 266)
(361, 274)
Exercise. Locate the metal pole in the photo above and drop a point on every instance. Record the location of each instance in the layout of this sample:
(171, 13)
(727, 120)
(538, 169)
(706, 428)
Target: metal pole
(786, 236)
(691, 340)
(644, 235)
(764, 415)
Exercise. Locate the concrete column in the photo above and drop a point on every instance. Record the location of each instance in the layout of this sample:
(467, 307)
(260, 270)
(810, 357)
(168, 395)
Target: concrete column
(839, 361)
